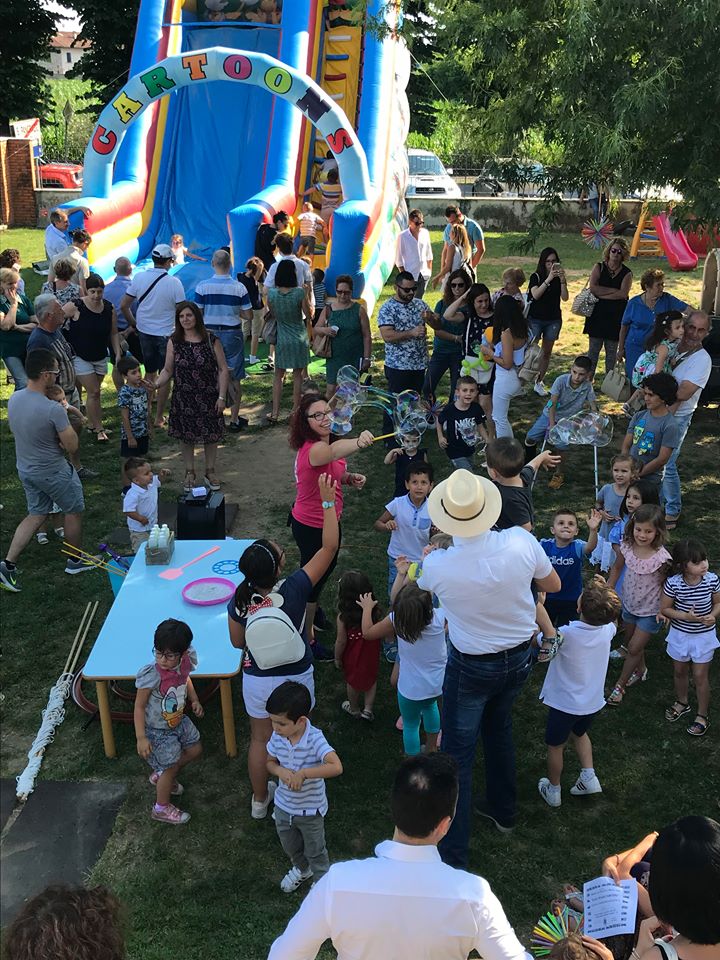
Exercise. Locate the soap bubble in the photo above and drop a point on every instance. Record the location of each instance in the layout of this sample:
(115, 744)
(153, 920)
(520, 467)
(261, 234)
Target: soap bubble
(593, 429)
(407, 410)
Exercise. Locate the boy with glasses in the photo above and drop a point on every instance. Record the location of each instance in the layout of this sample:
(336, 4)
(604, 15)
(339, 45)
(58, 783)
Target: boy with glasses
(413, 251)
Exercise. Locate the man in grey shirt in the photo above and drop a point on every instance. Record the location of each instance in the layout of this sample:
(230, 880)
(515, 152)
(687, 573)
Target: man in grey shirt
(43, 435)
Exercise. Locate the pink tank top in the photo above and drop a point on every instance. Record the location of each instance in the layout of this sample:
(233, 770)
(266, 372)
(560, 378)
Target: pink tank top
(307, 508)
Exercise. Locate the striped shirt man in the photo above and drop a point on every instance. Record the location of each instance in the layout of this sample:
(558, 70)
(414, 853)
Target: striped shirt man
(687, 597)
(222, 298)
(309, 751)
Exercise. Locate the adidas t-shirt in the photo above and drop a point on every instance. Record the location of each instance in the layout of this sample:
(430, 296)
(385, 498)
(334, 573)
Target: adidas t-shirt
(567, 563)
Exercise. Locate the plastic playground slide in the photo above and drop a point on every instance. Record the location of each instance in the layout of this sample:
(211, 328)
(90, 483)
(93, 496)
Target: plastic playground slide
(674, 244)
(230, 106)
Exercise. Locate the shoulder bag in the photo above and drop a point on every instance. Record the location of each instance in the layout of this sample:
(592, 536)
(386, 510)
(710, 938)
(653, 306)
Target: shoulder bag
(269, 330)
(617, 386)
(584, 303)
(322, 342)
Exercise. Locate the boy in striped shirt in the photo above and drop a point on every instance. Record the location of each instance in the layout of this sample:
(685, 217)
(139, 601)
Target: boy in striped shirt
(302, 759)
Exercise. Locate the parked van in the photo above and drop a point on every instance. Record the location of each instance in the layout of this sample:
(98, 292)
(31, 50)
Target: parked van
(429, 178)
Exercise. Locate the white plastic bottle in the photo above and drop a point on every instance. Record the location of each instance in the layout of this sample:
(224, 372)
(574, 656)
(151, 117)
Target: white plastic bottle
(163, 537)
(154, 537)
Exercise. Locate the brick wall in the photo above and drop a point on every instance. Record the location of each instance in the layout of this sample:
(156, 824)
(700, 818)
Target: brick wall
(17, 183)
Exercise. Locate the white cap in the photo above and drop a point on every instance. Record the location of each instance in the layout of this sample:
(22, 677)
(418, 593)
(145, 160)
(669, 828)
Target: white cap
(162, 251)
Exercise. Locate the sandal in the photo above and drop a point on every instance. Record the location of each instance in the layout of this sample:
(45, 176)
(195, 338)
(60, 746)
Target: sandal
(367, 715)
(271, 419)
(671, 522)
(637, 676)
(573, 897)
(698, 728)
(616, 697)
(189, 481)
(557, 480)
(619, 653)
(212, 480)
(101, 436)
(546, 654)
(345, 705)
(677, 710)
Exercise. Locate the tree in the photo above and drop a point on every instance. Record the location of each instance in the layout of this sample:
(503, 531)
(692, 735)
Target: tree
(28, 29)
(110, 27)
(622, 93)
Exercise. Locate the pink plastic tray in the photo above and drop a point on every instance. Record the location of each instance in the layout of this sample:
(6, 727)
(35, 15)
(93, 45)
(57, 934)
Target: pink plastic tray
(215, 590)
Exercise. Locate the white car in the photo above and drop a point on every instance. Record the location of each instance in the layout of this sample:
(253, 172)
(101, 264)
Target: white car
(429, 178)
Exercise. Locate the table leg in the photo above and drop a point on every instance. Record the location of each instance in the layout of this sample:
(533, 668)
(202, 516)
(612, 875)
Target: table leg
(228, 718)
(101, 686)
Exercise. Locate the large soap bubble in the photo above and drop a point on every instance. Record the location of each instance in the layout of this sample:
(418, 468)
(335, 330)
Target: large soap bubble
(407, 410)
(593, 429)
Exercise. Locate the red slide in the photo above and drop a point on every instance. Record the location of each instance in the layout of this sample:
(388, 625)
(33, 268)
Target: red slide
(674, 243)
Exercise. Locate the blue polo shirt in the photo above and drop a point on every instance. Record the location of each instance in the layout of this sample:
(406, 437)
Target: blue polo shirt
(567, 563)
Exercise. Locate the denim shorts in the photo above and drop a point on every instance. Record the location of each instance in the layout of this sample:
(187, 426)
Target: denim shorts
(560, 725)
(233, 344)
(648, 624)
(463, 463)
(547, 329)
(85, 367)
(168, 743)
(307, 242)
(45, 487)
(154, 349)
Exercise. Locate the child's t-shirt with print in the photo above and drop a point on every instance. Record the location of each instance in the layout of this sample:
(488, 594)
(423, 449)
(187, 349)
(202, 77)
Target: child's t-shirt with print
(135, 400)
(459, 427)
(166, 705)
(567, 563)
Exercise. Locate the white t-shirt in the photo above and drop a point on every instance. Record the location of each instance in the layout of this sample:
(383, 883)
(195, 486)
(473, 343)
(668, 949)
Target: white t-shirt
(575, 678)
(413, 528)
(422, 664)
(156, 314)
(414, 255)
(696, 368)
(302, 272)
(144, 501)
(483, 584)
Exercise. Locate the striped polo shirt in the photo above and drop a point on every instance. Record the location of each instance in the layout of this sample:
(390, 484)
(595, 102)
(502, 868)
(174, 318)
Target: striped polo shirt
(221, 298)
(309, 751)
(697, 597)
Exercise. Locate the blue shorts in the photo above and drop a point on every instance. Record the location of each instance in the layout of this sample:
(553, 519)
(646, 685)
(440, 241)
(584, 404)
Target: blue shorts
(167, 744)
(233, 344)
(560, 725)
(547, 329)
(153, 350)
(648, 624)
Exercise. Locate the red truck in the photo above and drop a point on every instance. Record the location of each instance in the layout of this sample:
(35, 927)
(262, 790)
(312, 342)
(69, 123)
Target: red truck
(63, 176)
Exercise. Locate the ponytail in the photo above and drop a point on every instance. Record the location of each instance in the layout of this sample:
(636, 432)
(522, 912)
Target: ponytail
(259, 566)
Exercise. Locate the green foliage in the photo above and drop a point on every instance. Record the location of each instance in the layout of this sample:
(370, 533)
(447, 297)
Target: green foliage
(110, 28)
(79, 128)
(28, 29)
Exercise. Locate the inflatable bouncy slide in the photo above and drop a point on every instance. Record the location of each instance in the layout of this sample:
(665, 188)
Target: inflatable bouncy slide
(230, 107)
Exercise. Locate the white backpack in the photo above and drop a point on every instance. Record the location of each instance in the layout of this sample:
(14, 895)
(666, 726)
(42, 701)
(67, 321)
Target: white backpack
(271, 636)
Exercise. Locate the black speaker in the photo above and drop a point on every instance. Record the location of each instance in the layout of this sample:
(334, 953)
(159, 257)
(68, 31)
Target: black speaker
(201, 518)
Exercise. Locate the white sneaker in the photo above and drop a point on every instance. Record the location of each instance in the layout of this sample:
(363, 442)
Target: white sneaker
(293, 878)
(42, 537)
(550, 795)
(258, 810)
(540, 389)
(585, 787)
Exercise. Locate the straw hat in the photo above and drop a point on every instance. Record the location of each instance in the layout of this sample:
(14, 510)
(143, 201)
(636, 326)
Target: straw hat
(465, 504)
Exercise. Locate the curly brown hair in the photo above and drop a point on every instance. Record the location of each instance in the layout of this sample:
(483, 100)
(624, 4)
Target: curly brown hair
(300, 430)
(68, 923)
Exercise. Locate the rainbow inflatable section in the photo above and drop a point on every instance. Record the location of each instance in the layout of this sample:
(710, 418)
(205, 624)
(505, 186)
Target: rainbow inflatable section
(229, 109)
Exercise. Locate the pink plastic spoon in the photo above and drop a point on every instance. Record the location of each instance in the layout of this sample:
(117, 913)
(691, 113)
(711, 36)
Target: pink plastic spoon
(172, 573)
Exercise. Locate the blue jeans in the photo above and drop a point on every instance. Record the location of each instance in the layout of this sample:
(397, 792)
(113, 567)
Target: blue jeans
(463, 463)
(671, 495)
(438, 365)
(478, 695)
(16, 368)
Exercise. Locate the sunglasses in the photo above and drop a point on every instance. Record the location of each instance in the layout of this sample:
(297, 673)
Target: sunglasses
(618, 250)
(458, 283)
(420, 223)
(408, 289)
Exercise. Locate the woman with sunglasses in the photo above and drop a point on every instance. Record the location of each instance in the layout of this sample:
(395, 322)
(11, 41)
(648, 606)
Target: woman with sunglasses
(610, 281)
(447, 351)
(318, 452)
(17, 322)
(346, 322)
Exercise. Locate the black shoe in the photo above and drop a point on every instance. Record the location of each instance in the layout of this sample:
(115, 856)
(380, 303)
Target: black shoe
(321, 653)
(504, 826)
(320, 622)
(235, 426)
(85, 473)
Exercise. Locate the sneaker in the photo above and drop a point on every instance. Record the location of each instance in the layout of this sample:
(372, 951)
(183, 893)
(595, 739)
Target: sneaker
(267, 366)
(540, 389)
(549, 793)
(390, 652)
(258, 809)
(85, 473)
(177, 788)
(41, 537)
(293, 878)
(81, 566)
(170, 814)
(321, 653)
(8, 578)
(482, 810)
(583, 788)
(637, 676)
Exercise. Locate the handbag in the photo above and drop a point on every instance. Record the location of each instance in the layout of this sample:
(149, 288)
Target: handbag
(584, 303)
(617, 386)
(269, 330)
(322, 342)
(531, 364)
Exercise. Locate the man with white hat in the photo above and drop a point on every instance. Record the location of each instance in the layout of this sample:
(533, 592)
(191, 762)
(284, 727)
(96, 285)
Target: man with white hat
(484, 586)
(157, 294)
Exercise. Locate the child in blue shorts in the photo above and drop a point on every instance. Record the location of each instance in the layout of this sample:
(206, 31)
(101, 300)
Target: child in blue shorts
(574, 689)
(166, 738)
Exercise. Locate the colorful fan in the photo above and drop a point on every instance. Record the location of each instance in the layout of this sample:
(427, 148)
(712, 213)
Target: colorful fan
(596, 233)
(550, 929)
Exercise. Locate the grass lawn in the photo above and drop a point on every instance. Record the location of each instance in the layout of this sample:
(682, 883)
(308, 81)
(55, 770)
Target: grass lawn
(211, 889)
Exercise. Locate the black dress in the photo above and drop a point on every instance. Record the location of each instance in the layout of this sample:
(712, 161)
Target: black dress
(89, 335)
(604, 322)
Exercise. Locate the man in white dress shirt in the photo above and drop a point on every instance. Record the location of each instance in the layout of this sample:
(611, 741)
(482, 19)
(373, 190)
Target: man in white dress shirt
(413, 251)
(405, 902)
(56, 235)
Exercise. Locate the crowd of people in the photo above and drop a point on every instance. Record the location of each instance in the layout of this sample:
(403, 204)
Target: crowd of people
(474, 599)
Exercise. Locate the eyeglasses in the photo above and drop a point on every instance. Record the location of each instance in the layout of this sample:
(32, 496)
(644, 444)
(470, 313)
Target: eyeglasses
(165, 655)
(408, 289)
(618, 250)
(317, 417)
(344, 293)
(458, 283)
